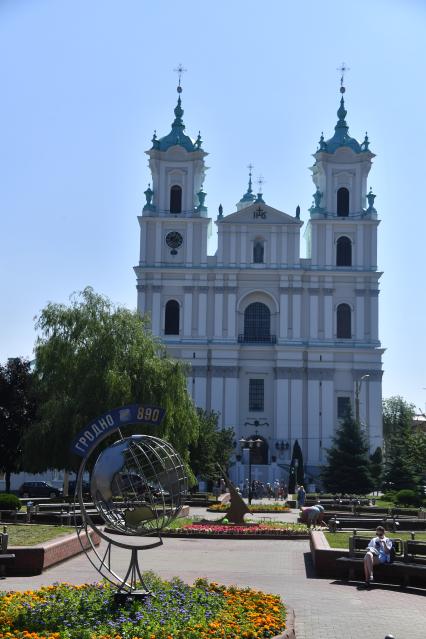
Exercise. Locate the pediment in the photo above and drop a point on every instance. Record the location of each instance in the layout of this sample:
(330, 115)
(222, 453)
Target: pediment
(259, 213)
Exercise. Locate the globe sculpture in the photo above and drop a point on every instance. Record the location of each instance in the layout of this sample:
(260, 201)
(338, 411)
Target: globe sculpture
(137, 486)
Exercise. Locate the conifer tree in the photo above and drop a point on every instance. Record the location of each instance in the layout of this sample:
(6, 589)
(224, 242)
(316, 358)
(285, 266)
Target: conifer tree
(376, 468)
(348, 465)
(297, 473)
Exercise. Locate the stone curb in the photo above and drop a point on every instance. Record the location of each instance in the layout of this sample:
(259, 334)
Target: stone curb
(289, 632)
(221, 536)
(32, 560)
(253, 512)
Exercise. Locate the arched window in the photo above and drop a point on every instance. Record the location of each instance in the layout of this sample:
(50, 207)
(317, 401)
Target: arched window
(176, 199)
(257, 323)
(171, 320)
(343, 202)
(344, 251)
(258, 251)
(344, 321)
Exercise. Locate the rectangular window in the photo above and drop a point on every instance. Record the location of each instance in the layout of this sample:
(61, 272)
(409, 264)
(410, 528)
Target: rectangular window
(343, 405)
(256, 394)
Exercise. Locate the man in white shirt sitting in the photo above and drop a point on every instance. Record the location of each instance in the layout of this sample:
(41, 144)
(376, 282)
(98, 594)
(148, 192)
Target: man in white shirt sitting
(378, 552)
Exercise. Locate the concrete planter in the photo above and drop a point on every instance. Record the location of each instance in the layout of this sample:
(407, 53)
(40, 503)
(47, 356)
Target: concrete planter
(32, 560)
(324, 557)
(200, 535)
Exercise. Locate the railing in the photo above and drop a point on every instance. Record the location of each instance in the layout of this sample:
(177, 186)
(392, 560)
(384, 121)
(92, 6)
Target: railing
(256, 339)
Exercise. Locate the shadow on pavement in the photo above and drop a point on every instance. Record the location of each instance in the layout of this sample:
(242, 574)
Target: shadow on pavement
(359, 585)
(309, 566)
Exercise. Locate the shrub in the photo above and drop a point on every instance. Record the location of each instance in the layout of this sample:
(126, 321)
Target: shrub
(388, 496)
(9, 502)
(408, 497)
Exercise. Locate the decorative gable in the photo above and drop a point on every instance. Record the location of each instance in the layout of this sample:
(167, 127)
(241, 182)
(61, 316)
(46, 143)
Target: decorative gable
(259, 213)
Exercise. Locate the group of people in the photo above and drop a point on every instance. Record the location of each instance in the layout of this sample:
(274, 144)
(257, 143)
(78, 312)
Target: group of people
(260, 490)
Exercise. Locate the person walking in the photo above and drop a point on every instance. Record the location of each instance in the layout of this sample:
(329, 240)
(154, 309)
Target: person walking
(301, 496)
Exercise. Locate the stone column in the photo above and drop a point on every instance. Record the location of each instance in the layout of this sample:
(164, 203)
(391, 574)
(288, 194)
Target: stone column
(189, 244)
(141, 298)
(297, 312)
(284, 311)
(359, 314)
(273, 244)
(232, 312)
(358, 254)
(374, 318)
(313, 420)
(202, 311)
(329, 246)
(158, 246)
(218, 312)
(156, 310)
(328, 313)
(217, 394)
(313, 313)
(187, 311)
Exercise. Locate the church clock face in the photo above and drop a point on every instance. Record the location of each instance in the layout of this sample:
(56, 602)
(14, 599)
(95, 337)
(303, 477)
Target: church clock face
(174, 240)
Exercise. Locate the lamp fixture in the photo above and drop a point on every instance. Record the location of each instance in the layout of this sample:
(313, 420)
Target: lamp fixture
(282, 445)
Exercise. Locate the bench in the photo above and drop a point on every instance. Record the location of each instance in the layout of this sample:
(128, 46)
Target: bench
(4, 555)
(409, 563)
(340, 522)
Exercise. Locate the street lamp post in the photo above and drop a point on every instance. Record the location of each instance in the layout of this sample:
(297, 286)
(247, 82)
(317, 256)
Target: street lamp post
(250, 444)
(358, 384)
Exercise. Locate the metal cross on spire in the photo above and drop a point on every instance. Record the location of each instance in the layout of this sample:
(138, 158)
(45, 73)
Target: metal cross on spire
(250, 168)
(343, 68)
(260, 181)
(179, 70)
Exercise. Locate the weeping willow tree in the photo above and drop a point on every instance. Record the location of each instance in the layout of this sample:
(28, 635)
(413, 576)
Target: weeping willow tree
(91, 356)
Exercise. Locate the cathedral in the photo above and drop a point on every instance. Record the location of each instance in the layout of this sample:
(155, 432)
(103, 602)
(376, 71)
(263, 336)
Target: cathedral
(277, 344)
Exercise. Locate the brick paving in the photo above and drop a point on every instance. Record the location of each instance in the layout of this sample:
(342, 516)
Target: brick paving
(325, 609)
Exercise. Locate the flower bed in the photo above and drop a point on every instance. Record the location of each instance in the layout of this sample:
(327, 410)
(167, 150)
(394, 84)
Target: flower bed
(212, 529)
(258, 508)
(175, 611)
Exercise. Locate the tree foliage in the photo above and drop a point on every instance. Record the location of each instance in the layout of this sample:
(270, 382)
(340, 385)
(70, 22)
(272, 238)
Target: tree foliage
(376, 468)
(297, 472)
(405, 449)
(348, 466)
(16, 413)
(92, 356)
(213, 446)
(397, 414)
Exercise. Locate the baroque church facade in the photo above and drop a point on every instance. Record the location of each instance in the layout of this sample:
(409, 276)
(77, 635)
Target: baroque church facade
(277, 344)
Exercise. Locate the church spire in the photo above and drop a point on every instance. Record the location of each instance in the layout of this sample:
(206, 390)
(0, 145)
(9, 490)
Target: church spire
(177, 135)
(341, 135)
(248, 196)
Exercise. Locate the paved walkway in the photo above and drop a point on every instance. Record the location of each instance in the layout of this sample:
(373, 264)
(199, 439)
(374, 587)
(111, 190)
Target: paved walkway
(324, 609)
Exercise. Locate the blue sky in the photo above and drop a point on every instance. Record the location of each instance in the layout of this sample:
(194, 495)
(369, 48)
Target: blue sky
(84, 84)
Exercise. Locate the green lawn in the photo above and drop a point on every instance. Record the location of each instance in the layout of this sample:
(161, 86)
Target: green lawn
(383, 503)
(341, 539)
(32, 534)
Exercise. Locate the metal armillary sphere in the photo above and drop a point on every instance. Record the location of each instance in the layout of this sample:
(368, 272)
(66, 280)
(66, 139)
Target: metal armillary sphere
(137, 486)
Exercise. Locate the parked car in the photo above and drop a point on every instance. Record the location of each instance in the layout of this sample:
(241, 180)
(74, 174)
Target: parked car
(39, 489)
(72, 484)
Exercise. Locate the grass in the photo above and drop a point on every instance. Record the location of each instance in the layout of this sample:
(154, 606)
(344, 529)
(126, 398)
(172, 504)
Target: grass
(383, 503)
(32, 534)
(341, 539)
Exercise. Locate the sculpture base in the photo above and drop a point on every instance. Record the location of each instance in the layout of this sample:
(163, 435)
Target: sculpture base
(122, 597)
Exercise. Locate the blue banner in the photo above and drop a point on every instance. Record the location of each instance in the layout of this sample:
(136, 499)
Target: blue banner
(88, 437)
